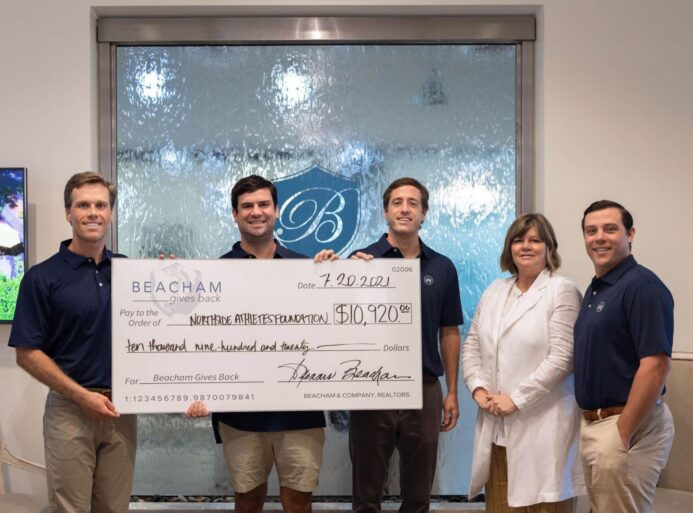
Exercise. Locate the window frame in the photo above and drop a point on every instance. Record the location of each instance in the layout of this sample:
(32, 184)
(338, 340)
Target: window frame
(518, 30)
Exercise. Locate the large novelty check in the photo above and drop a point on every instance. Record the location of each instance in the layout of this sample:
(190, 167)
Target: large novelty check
(254, 335)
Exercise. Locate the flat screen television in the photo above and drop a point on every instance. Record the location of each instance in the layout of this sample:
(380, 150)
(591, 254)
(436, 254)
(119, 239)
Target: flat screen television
(12, 237)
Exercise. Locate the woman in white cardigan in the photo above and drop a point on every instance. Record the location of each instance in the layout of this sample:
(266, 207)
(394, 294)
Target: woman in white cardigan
(518, 364)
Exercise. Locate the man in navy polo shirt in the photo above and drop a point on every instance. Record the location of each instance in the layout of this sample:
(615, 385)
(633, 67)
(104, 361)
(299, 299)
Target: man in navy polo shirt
(62, 335)
(623, 343)
(254, 441)
(373, 435)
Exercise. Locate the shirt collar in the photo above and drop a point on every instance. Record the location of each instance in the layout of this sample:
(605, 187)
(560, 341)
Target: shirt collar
(619, 270)
(383, 247)
(238, 252)
(74, 260)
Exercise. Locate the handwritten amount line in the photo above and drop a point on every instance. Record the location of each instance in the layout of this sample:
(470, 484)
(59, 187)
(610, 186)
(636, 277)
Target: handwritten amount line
(341, 350)
(260, 352)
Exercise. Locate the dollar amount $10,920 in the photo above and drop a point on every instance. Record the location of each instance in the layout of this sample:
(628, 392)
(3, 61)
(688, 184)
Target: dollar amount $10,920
(372, 313)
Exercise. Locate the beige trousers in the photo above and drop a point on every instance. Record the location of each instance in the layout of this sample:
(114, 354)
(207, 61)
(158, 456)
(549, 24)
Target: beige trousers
(250, 455)
(620, 480)
(497, 490)
(89, 463)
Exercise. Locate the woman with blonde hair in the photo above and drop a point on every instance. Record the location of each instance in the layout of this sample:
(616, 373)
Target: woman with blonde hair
(518, 364)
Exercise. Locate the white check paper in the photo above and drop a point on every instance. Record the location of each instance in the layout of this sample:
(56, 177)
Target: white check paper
(266, 335)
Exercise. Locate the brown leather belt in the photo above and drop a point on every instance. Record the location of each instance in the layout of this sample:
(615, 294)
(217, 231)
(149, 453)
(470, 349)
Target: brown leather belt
(601, 413)
(103, 391)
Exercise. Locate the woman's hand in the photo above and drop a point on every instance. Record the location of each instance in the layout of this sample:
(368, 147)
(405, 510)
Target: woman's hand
(501, 405)
(480, 396)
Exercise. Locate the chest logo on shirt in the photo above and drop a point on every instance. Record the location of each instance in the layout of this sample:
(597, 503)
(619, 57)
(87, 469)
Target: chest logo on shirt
(600, 307)
(428, 279)
(318, 210)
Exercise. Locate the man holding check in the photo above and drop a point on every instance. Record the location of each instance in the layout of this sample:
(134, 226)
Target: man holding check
(254, 441)
(374, 434)
(62, 335)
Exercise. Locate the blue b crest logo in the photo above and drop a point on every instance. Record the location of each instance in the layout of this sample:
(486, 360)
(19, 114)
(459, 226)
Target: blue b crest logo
(317, 210)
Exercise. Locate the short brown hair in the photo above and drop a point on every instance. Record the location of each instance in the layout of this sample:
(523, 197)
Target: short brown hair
(249, 184)
(519, 228)
(401, 182)
(79, 179)
(626, 216)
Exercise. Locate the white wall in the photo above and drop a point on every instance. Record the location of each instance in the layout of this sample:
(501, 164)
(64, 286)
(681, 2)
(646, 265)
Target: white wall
(618, 123)
(614, 119)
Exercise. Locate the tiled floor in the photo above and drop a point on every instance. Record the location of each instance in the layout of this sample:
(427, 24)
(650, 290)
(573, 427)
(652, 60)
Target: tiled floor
(666, 501)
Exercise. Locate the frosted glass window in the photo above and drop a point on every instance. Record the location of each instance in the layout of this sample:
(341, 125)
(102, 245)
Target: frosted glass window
(192, 120)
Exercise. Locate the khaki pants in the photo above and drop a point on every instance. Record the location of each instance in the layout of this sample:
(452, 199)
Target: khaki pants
(89, 463)
(250, 456)
(620, 480)
(497, 490)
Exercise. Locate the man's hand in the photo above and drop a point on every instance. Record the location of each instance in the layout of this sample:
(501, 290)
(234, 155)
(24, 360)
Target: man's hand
(501, 405)
(451, 413)
(646, 389)
(325, 255)
(197, 409)
(361, 256)
(96, 406)
(625, 437)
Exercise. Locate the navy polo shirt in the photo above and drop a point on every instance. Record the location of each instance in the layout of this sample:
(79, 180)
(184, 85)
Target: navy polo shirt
(64, 309)
(626, 315)
(266, 421)
(440, 298)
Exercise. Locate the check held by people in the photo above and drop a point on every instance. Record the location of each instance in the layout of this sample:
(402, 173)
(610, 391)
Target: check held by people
(269, 335)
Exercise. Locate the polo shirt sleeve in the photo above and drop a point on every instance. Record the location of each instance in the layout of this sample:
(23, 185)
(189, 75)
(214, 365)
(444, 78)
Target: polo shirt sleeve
(452, 304)
(651, 319)
(32, 315)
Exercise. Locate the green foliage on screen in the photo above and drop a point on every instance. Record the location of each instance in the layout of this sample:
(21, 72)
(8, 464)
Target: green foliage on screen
(9, 287)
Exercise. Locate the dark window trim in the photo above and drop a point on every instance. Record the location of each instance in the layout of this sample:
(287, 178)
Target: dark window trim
(318, 30)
